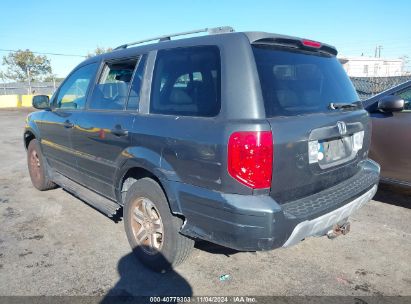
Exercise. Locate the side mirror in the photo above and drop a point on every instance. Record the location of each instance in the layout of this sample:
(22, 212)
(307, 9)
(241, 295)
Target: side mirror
(41, 102)
(391, 103)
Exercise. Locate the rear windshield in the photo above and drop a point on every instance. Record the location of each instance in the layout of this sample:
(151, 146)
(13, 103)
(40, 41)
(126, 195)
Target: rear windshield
(298, 82)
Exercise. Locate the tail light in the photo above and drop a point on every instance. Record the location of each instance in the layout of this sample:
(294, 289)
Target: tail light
(250, 158)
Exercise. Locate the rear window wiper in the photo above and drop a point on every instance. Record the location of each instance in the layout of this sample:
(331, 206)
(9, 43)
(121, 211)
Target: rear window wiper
(342, 105)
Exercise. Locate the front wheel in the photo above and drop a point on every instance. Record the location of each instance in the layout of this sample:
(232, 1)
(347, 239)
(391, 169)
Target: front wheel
(37, 167)
(152, 230)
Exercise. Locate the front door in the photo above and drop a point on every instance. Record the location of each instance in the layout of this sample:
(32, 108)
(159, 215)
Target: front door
(56, 126)
(391, 138)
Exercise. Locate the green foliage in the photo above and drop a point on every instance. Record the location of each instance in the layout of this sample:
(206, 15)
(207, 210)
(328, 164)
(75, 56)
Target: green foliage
(99, 51)
(52, 77)
(3, 76)
(24, 64)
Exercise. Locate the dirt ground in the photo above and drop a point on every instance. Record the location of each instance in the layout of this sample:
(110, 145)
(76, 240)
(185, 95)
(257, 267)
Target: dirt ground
(53, 244)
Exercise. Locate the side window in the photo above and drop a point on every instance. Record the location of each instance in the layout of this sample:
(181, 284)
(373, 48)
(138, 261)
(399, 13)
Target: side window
(111, 91)
(186, 81)
(73, 92)
(134, 98)
(406, 95)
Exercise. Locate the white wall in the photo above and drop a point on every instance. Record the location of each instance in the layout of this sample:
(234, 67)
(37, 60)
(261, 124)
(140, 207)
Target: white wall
(372, 67)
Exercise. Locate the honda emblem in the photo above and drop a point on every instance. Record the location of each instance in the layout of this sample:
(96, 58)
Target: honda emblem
(342, 127)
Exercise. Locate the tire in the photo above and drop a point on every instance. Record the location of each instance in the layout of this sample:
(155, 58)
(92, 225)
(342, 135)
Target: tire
(37, 167)
(152, 230)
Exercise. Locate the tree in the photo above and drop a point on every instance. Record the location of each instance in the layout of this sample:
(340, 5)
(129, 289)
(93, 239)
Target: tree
(99, 51)
(53, 77)
(25, 66)
(3, 76)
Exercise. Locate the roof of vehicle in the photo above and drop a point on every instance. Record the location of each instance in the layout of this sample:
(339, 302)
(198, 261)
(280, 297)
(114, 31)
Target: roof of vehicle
(165, 41)
(370, 101)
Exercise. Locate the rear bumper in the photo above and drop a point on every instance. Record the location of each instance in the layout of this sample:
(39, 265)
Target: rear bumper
(320, 225)
(258, 222)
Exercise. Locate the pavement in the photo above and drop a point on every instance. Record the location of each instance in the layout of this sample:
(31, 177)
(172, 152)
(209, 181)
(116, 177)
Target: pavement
(51, 243)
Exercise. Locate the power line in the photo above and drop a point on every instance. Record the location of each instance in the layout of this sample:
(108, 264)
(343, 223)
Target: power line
(41, 53)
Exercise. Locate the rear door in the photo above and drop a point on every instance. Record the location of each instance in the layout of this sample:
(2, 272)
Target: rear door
(56, 127)
(391, 138)
(316, 144)
(103, 131)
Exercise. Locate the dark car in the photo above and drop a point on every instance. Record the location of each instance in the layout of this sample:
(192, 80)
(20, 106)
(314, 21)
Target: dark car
(249, 140)
(390, 113)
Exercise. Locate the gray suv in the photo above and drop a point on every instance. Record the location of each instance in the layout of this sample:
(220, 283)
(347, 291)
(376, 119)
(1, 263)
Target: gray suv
(249, 140)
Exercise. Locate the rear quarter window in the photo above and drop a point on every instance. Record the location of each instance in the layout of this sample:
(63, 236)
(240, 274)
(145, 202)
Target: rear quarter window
(186, 82)
(298, 82)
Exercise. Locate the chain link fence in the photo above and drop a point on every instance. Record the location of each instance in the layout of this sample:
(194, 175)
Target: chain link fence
(22, 88)
(365, 86)
(369, 86)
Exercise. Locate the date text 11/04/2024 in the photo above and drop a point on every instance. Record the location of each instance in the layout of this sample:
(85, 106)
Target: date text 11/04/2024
(203, 299)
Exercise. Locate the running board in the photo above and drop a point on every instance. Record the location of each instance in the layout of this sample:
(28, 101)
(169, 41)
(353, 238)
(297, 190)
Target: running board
(99, 202)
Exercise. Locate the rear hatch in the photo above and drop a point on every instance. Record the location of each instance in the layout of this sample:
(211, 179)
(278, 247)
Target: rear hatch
(320, 130)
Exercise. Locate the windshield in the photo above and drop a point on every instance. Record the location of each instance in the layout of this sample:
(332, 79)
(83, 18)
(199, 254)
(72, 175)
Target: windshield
(297, 82)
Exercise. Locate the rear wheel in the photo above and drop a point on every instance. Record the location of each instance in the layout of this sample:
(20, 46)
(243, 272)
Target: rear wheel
(152, 230)
(37, 169)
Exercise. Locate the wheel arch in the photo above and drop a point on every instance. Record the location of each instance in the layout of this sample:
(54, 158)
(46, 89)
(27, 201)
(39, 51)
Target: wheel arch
(133, 170)
(28, 136)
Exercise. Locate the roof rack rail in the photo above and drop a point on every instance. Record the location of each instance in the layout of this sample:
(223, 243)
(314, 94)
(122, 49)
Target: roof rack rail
(210, 31)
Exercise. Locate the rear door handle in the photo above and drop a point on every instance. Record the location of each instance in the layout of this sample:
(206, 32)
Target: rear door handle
(119, 132)
(67, 124)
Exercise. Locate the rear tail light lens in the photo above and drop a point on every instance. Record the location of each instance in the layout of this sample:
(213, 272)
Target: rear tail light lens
(250, 158)
(310, 43)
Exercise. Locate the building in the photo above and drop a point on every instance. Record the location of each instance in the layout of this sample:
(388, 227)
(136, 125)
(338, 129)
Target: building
(363, 66)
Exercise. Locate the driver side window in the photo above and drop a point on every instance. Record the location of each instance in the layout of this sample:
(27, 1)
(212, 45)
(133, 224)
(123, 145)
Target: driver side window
(73, 92)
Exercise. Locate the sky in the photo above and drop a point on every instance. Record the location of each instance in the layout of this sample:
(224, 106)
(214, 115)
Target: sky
(77, 27)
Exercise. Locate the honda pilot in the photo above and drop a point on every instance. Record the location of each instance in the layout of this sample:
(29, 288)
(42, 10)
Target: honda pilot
(249, 140)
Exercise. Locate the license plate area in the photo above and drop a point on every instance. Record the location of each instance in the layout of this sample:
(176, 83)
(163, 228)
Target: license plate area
(334, 151)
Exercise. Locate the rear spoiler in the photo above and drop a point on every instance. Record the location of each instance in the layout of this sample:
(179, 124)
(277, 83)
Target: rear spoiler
(303, 44)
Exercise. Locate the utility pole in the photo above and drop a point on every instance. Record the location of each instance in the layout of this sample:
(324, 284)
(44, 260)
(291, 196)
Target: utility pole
(378, 49)
(28, 77)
